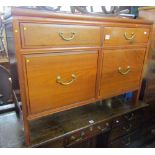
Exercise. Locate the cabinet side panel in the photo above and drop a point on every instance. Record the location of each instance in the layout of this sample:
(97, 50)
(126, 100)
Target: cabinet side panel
(12, 55)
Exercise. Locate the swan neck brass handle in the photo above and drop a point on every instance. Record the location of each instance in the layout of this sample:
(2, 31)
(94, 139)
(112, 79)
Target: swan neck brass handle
(124, 71)
(59, 80)
(129, 37)
(61, 34)
(126, 142)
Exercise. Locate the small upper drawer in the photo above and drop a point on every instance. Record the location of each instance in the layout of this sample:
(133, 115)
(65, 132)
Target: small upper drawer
(125, 36)
(37, 35)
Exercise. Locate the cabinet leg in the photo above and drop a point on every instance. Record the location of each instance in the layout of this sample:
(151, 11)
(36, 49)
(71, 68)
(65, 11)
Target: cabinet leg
(27, 132)
(135, 99)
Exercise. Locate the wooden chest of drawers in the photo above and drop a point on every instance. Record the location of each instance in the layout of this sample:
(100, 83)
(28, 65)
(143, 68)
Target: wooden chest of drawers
(93, 125)
(66, 61)
(126, 129)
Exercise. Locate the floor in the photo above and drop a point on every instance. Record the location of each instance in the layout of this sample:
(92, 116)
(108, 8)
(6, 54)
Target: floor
(11, 131)
(6, 108)
(150, 145)
(12, 135)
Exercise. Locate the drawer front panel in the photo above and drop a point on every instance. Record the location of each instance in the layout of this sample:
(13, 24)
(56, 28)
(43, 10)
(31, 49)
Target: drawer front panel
(121, 71)
(52, 35)
(87, 133)
(54, 144)
(57, 80)
(124, 129)
(125, 141)
(129, 117)
(125, 36)
(150, 94)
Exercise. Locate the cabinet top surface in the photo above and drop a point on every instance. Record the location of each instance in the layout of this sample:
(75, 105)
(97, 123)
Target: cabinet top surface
(48, 14)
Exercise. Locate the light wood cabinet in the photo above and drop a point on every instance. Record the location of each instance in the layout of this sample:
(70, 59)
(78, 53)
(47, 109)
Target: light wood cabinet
(66, 61)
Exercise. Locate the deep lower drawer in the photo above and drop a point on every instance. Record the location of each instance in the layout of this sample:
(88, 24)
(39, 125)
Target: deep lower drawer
(57, 80)
(131, 117)
(121, 71)
(84, 134)
(124, 129)
(125, 141)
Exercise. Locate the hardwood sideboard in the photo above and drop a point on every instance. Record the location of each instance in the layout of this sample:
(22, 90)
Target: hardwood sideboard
(66, 61)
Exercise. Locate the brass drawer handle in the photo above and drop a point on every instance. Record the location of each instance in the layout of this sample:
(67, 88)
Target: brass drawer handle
(59, 80)
(61, 34)
(129, 118)
(128, 142)
(124, 71)
(129, 128)
(131, 37)
(126, 129)
(78, 139)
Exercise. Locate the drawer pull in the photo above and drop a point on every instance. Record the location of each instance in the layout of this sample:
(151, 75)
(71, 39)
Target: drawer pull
(127, 129)
(124, 71)
(61, 34)
(131, 37)
(128, 142)
(59, 80)
(73, 137)
(129, 118)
